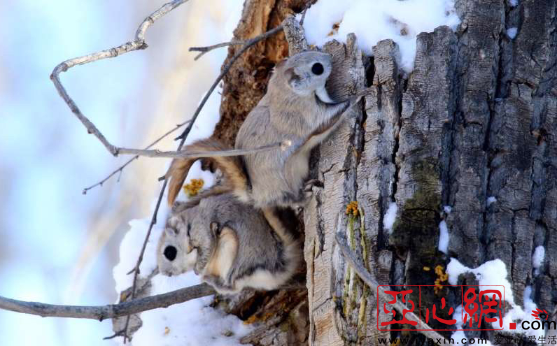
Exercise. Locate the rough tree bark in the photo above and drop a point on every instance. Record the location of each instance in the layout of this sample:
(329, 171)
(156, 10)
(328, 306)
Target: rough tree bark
(475, 118)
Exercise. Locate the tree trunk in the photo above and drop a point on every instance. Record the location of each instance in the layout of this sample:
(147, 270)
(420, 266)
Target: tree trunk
(475, 119)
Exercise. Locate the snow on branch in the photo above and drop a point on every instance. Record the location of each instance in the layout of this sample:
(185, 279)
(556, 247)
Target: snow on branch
(108, 311)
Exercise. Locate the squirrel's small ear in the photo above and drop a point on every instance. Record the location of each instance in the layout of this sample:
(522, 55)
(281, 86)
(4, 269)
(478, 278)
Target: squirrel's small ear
(215, 228)
(292, 78)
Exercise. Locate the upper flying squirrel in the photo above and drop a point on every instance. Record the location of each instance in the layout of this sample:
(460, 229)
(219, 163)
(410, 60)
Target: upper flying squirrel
(297, 109)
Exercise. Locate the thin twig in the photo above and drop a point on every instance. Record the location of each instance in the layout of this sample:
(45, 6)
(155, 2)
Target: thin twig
(182, 138)
(222, 153)
(143, 247)
(137, 44)
(249, 42)
(304, 15)
(223, 73)
(366, 277)
(115, 335)
(121, 168)
(101, 313)
(204, 50)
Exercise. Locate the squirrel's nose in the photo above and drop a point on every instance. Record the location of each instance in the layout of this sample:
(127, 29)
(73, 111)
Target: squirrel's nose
(170, 253)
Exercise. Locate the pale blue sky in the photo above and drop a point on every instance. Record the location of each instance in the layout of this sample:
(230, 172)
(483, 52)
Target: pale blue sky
(46, 157)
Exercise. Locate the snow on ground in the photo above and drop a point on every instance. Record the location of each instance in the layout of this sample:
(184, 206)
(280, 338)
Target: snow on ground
(443, 237)
(537, 258)
(495, 273)
(447, 209)
(390, 217)
(192, 323)
(376, 20)
(491, 200)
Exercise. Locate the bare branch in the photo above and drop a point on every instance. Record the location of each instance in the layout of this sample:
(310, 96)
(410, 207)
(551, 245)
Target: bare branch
(366, 277)
(144, 246)
(204, 50)
(182, 138)
(225, 70)
(200, 154)
(249, 42)
(121, 168)
(101, 313)
(137, 44)
(303, 16)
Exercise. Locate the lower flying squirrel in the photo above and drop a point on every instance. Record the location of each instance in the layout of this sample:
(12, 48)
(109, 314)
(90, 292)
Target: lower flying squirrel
(296, 109)
(228, 243)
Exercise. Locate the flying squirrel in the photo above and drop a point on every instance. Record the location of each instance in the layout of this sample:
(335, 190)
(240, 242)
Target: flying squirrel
(230, 244)
(296, 109)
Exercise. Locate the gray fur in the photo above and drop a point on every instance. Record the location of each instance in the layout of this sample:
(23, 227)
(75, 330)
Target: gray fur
(260, 251)
(296, 108)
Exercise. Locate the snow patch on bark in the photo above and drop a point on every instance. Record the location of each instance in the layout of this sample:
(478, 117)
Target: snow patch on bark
(373, 21)
(443, 237)
(493, 273)
(390, 217)
(537, 259)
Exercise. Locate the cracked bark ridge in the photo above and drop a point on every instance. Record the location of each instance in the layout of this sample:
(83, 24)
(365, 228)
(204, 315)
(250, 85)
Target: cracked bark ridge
(336, 296)
(376, 168)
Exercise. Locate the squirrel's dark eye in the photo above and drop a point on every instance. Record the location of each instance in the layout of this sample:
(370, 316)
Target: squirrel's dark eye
(170, 253)
(317, 69)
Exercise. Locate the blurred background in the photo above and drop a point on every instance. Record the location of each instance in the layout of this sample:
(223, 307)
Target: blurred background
(56, 244)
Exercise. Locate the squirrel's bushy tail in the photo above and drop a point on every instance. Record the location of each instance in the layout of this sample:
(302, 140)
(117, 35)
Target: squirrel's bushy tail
(235, 180)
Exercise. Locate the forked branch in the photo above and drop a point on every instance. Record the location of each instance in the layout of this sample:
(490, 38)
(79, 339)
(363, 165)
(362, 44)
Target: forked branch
(137, 44)
(248, 43)
(101, 313)
(121, 168)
